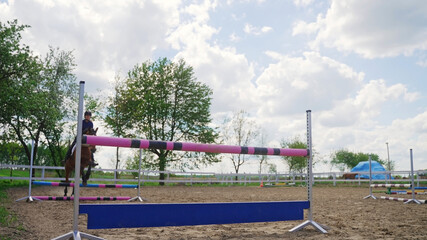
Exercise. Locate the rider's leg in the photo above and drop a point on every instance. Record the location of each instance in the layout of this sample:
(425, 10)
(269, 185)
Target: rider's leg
(70, 149)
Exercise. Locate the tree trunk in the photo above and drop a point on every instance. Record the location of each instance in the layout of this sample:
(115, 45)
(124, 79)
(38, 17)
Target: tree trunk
(117, 162)
(162, 167)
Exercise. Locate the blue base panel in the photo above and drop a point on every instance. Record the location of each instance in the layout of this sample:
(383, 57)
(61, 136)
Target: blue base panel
(103, 216)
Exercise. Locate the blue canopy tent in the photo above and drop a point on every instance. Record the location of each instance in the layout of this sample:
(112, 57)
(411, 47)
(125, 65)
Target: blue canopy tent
(376, 167)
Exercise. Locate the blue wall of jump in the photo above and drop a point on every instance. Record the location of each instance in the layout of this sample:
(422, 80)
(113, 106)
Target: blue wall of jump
(101, 216)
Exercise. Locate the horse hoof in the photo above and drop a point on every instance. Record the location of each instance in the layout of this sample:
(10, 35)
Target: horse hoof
(85, 184)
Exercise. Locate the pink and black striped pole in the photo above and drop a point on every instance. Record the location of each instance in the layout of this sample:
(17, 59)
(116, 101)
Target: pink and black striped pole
(87, 198)
(93, 185)
(190, 147)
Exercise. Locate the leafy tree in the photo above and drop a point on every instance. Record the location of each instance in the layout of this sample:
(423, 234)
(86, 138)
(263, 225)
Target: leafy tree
(240, 131)
(94, 104)
(163, 101)
(18, 76)
(344, 159)
(16, 60)
(295, 163)
(272, 168)
(35, 94)
(11, 152)
(116, 116)
(61, 93)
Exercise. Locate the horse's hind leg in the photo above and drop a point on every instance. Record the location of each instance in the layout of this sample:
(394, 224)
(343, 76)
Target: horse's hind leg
(88, 172)
(84, 180)
(68, 169)
(65, 191)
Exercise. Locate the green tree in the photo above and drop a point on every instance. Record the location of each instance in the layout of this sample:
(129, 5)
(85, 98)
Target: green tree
(162, 100)
(61, 98)
(346, 160)
(11, 152)
(16, 60)
(19, 72)
(35, 93)
(116, 116)
(295, 163)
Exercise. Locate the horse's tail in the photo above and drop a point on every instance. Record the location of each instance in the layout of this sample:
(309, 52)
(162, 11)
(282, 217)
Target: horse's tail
(64, 161)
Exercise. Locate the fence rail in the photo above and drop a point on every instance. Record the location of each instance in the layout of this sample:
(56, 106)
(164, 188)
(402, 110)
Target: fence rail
(175, 177)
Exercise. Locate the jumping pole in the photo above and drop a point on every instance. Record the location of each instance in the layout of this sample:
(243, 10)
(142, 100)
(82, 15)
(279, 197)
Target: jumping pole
(370, 180)
(310, 182)
(29, 198)
(139, 198)
(412, 181)
(75, 234)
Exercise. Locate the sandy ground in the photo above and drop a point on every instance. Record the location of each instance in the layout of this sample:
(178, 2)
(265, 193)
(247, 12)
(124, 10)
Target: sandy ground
(341, 209)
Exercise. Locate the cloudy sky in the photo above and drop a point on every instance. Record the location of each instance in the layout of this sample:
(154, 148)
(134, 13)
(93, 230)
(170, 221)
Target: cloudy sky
(360, 66)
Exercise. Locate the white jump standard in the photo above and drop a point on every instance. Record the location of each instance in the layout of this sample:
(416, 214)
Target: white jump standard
(30, 198)
(412, 182)
(370, 180)
(75, 233)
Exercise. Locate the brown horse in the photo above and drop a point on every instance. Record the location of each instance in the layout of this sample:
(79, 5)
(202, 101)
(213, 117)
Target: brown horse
(85, 160)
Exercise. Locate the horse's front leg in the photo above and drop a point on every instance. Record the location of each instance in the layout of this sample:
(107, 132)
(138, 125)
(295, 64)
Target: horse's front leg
(65, 191)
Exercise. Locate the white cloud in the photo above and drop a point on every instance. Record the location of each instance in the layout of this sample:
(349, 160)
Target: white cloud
(106, 36)
(402, 135)
(234, 37)
(306, 82)
(422, 63)
(371, 29)
(227, 72)
(345, 107)
(200, 12)
(303, 3)
(362, 109)
(249, 29)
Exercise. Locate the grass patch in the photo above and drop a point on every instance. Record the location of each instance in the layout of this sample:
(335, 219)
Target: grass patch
(8, 219)
(15, 173)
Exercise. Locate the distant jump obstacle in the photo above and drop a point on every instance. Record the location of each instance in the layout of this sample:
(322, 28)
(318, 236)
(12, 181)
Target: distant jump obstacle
(407, 193)
(390, 185)
(30, 198)
(92, 185)
(405, 200)
(86, 198)
(180, 214)
(395, 185)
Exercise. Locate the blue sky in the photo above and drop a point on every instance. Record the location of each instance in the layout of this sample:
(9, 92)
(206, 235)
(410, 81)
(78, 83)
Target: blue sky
(360, 66)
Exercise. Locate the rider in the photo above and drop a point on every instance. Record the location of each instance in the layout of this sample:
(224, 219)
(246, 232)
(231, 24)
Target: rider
(87, 123)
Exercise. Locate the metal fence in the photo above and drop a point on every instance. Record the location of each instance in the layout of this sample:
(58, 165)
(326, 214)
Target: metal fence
(48, 173)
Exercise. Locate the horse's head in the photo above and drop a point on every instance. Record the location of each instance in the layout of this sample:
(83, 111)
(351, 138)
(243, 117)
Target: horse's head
(90, 131)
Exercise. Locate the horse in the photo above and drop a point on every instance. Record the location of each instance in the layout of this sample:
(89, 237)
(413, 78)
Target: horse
(349, 175)
(85, 159)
